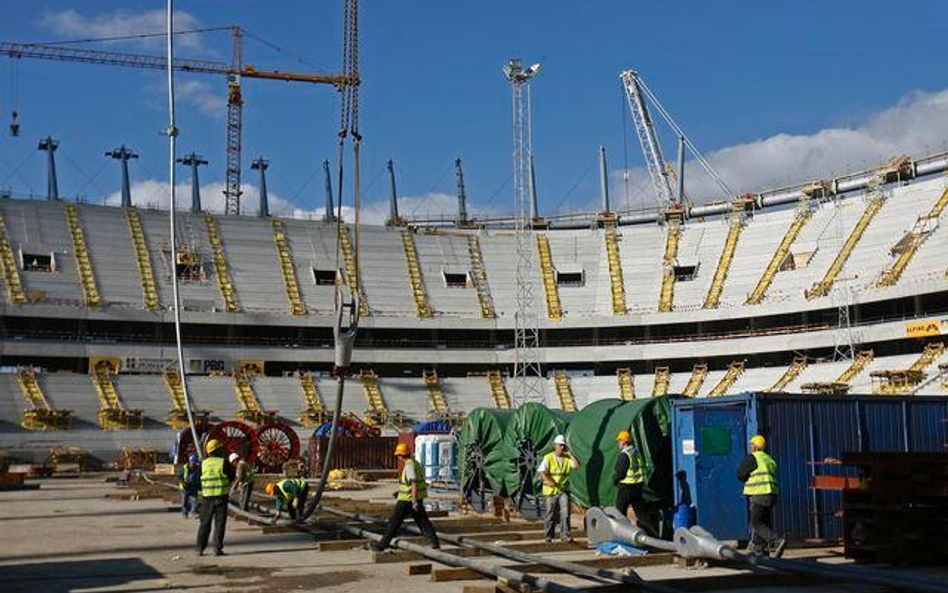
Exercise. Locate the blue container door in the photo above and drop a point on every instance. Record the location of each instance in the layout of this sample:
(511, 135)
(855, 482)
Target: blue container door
(720, 437)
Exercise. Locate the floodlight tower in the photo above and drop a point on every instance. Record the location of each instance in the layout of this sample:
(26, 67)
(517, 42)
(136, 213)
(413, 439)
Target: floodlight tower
(528, 375)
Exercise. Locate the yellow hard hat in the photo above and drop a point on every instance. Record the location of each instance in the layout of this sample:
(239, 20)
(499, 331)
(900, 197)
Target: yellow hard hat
(212, 445)
(759, 441)
(624, 436)
(270, 488)
(401, 450)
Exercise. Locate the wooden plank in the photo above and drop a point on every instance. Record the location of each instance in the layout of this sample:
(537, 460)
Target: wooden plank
(467, 574)
(341, 545)
(479, 589)
(394, 556)
(416, 569)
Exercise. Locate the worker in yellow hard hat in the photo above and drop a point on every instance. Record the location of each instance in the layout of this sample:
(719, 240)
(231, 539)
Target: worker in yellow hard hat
(629, 479)
(216, 478)
(758, 472)
(409, 500)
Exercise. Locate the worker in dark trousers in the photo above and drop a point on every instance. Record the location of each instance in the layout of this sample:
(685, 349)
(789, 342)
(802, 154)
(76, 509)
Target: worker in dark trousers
(244, 478)
(758, 471)
(291, 493)
(410, 501)
(189, 482)
(629, 479)
(216, 478)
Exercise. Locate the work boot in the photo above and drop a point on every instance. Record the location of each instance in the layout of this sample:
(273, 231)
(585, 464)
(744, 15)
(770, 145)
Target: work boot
(778, 548)
(755, 549)
(219, 553)
(200, 551)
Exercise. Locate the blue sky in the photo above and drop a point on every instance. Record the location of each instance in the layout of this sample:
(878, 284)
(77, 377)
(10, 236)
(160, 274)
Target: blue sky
(774, 92)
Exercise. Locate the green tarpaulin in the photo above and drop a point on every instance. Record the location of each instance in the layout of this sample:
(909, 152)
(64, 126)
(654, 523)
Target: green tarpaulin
(532, 424)
(480, 446)
(592, 438)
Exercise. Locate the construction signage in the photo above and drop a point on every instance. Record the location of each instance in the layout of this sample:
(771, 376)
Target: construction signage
(926, 327)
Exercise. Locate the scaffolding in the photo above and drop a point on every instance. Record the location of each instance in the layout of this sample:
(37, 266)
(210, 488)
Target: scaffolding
(11, 276)
(626, 384)
(146, 273)
(415, 278)
(901, 381)
(38, 414)
(81, 253)
(224, 283)
(290, 282)
(498, 390)
(564, 391)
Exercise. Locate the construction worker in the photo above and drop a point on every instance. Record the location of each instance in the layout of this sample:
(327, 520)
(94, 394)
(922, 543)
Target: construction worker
(410, 500)
(216, 478)
(758, 471)
(189, 482)
(629, 479)
(554, 471)
(291, 493)
(244, 479)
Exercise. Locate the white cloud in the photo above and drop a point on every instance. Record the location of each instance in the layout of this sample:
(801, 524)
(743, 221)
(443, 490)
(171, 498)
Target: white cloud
(155, 194)
(70, 24)
(202, 97)
(917, 125)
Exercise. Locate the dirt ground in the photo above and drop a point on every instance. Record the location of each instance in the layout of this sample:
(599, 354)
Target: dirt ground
(68, 536)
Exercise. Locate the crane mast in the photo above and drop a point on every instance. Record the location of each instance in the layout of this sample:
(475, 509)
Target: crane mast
(645, 130)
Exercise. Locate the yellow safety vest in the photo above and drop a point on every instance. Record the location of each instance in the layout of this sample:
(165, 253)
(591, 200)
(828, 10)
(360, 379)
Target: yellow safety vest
(636, 472)
(185, 472)
(404, 484)
(762, 480)
(297, 483)
(214, 482)
(557, 469)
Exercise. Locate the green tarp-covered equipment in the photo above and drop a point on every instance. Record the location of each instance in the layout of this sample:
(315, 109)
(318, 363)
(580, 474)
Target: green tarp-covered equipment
(529, 437)
(480, 455)
(592, 438)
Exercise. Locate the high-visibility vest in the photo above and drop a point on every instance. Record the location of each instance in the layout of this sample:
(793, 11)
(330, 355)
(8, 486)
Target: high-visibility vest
(291, 487)
(557, 470)
(762, 480)
(636, 472)
(249, 475)
(214, 482)
(183, 482)
(404, 484)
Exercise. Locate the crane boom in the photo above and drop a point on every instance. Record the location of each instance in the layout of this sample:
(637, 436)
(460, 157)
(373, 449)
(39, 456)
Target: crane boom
(149, 62)
(645, 130)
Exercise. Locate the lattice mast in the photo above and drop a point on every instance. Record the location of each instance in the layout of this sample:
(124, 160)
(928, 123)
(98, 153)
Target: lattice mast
(528, 377)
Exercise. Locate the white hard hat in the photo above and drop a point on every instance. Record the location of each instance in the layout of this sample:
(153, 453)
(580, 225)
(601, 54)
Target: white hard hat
(233, 457)
(559, 440)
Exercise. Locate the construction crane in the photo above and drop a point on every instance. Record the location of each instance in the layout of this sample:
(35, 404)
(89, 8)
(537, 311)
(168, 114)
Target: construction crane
(663, 176)
(234, 72)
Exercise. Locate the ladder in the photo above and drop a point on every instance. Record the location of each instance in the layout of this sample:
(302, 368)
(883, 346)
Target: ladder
(859, 364)
(793, 371)
(662, 378)
(436, 400)
(111, 415)
(564, 391)
(626, 384)
(734, 371)
(666, 298)
(615, 271)
(924, 226)
(802, 216)
(713, 298)
(220, 265)
(315, 412)
(352, 275)
(415, 279)
(143, 258)
(554, 312)
(83, 262)
(823, 287)
(250, 410)
(38, 415)
(370, 387)
(698, 375)
(498, 390)
(479, 277)
(290, 283)
(11, 276)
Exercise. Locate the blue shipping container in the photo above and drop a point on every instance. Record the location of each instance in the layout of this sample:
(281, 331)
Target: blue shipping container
(710, 438)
